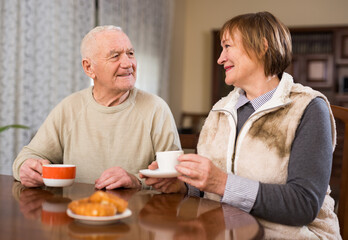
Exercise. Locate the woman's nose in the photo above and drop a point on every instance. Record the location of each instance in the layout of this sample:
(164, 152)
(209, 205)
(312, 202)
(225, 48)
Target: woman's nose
(221, 59)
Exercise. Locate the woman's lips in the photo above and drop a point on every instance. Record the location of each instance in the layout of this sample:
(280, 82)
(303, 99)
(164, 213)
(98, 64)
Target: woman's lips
(227, 68)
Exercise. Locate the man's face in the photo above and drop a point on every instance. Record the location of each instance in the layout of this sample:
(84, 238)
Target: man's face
(113, 62)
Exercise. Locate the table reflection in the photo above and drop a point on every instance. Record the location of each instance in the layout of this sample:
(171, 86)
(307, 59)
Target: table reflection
(43, 205)
(82, 231)
(31, 200)
(40, 213)
(189, 219)
(54, 211)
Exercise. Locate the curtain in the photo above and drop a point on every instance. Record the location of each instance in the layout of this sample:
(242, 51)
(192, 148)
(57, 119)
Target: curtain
(148, 24)
(40, 64)
(40, 56)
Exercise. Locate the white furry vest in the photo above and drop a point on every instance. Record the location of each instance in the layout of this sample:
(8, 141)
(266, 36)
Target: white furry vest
(267, 134)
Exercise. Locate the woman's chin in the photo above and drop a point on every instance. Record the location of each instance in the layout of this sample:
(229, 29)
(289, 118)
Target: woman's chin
(230, 82)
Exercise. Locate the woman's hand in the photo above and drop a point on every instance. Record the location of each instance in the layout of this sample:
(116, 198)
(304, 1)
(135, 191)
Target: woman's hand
(201, 173)
(166, 185)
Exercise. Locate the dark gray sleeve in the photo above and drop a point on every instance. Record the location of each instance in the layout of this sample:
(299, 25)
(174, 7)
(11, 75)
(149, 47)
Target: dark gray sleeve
(299, 200)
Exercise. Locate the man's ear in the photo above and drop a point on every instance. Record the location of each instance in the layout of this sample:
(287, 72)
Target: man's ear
(87, 67)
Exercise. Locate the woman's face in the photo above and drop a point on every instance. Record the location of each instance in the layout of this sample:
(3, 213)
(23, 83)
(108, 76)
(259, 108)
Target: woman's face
(240, 69)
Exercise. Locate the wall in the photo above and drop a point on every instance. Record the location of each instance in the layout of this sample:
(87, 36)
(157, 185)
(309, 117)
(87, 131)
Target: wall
(194, 21)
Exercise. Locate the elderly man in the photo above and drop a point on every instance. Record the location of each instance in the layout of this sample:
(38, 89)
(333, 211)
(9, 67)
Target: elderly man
(109, 131)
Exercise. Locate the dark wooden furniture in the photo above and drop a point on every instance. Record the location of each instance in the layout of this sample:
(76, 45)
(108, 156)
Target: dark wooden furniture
(320, 61)
(189, 142)
(39, 213)
(340, 172)
(191, 122)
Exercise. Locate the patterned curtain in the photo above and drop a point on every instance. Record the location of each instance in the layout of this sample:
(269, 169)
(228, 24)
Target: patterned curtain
(40, 64)
(148, 23)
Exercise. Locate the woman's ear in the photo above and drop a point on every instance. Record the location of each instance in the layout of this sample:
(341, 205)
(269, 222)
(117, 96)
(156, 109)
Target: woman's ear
(265, 46)
(87, 67)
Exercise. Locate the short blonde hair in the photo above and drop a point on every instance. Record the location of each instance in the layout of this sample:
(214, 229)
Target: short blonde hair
(262, 31)
(87, 40)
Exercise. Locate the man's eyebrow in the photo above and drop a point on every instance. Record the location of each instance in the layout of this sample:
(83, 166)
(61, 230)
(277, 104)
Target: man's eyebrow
(112, 52)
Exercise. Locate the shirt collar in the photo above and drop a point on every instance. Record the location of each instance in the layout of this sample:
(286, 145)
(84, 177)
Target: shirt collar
(256, 102)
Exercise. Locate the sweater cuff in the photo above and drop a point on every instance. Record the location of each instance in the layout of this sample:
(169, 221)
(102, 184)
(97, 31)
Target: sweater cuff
(240, 192)
(192, 191)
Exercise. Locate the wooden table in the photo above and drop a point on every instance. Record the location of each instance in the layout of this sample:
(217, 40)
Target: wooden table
(40, 213)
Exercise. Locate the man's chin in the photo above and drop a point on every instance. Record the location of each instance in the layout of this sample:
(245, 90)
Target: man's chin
(126, 87)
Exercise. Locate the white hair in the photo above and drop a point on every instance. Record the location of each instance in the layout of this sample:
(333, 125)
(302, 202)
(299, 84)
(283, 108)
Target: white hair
(86, 41)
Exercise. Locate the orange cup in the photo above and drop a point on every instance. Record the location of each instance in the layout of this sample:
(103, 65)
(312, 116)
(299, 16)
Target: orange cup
(58, 175)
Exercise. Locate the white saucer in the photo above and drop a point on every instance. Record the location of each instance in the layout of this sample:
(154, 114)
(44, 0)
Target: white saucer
(99, 220)
(158, 173)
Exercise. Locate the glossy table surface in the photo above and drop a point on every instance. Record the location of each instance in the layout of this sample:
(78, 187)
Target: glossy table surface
(40, 213)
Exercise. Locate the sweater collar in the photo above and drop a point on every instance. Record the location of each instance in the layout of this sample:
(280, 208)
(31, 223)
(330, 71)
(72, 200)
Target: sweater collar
(100, 108)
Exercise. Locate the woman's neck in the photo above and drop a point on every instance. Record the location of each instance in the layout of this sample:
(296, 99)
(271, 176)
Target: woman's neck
(261, 86)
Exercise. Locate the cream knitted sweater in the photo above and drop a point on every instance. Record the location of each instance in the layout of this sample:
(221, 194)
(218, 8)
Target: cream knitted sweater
(94, 137)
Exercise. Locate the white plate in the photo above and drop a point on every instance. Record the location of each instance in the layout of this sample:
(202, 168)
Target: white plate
(99, 220)
(158, 173)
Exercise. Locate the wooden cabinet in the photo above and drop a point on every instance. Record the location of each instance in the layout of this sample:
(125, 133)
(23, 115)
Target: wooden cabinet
(341, 43)
(320, 61)
(315, 70)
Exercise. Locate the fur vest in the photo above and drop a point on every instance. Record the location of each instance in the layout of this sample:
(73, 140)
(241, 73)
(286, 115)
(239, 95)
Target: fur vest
(267, 134)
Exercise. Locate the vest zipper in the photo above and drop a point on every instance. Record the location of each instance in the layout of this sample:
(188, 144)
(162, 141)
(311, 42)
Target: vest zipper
(233, 153)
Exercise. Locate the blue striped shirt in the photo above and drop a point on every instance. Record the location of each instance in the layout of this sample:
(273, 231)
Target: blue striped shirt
(256, 102)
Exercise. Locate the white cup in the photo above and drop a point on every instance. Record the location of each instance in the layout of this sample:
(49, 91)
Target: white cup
(168, 160)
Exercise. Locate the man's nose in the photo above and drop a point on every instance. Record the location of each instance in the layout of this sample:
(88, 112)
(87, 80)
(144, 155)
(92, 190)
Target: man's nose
(125, 61)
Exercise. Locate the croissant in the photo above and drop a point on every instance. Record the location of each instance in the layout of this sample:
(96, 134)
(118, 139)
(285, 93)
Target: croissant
(98, 204)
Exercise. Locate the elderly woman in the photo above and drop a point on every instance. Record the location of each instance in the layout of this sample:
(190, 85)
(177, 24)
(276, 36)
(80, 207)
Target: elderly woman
(267, 147)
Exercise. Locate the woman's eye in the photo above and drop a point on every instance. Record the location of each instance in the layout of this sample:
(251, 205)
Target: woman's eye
(227, 46)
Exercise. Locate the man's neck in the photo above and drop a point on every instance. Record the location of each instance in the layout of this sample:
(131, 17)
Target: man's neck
(110, 100)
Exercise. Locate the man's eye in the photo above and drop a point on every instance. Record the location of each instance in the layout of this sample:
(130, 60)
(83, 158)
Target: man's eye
(131, 53)
(115, 56)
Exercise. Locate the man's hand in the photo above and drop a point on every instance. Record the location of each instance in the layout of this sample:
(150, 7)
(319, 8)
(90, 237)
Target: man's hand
(166, 185)
(30, 172)
(117, 177)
